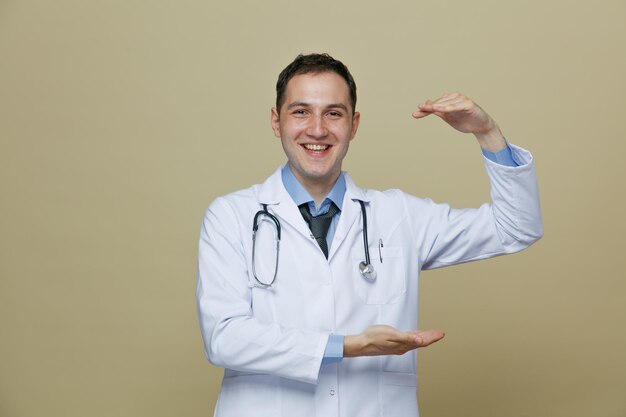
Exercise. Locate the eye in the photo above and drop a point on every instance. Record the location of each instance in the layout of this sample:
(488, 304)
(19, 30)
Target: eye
(299, 112)
(334, 114)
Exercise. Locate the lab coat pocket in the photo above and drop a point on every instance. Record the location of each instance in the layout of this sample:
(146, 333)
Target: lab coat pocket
(399, 394)
(390, 283)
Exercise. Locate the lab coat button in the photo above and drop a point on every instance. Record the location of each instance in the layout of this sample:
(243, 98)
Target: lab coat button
(332, 392)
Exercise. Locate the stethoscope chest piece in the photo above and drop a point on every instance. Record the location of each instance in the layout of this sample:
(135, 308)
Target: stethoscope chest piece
(367, 271)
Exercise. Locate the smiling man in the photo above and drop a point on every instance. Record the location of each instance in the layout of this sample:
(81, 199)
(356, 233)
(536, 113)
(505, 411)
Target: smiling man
(307, 284)
(315, 121)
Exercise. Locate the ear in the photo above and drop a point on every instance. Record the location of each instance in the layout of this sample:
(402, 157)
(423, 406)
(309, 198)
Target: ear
(275, 119)
(356, 118)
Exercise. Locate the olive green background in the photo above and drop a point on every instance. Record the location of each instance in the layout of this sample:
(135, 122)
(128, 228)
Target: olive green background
(121, 120)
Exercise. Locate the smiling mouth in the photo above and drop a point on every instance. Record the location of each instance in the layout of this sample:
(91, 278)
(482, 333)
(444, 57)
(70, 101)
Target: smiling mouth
(312, 147)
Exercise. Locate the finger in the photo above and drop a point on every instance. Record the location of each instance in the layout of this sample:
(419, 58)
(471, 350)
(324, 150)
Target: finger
(403, 344)
(446, 103)
(453, 99)
(456, 103)
(461, 108)
(444, 98)
(428, 337)
(420, 114)
(426, 104)
(438, 105)
(449, 98)
(411, 339)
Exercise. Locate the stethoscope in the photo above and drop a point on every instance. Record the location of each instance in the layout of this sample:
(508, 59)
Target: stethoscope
(365, 267)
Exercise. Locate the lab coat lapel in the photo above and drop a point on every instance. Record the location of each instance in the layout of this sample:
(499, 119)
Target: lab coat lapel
(273, 193)
(350, 214)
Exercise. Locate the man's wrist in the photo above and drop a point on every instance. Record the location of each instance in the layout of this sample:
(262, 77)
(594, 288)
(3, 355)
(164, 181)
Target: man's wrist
(492, 141)
(503, 157)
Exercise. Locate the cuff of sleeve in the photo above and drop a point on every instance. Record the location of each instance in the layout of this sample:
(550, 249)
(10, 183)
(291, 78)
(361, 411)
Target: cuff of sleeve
(334, 349)
(502, 157)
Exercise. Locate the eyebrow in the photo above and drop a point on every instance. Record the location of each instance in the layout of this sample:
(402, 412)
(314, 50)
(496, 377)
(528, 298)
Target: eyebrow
(330, 106)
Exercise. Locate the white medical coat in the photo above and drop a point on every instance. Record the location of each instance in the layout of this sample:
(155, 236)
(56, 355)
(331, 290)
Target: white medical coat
(271, 341)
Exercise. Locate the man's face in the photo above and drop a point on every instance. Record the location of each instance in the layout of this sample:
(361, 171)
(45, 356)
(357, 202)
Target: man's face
(315, 125)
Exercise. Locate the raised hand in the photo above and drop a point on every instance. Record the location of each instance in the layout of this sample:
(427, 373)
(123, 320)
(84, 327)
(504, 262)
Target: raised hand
(464, 115)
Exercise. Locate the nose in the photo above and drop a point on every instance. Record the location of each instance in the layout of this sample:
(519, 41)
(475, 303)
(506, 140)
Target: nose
(316, 128)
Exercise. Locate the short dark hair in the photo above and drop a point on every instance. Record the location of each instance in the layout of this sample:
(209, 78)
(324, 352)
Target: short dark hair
(313, 64)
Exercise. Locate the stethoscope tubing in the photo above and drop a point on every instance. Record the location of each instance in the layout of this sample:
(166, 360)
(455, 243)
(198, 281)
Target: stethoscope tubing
(255, 227)
(365, 241)
(365, 267)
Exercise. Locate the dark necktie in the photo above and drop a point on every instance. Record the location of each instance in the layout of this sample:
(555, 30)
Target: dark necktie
(319, 225)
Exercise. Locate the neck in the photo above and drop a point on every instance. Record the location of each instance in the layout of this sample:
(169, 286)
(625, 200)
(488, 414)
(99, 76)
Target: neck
(318, 192)
(317, 187)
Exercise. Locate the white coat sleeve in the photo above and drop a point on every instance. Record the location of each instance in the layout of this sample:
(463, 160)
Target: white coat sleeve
(233, 337)
(510, 223)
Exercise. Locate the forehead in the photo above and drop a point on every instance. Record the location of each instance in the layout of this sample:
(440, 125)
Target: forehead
(318, 89)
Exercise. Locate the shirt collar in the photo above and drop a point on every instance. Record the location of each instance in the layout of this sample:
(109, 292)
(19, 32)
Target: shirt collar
(300, 195)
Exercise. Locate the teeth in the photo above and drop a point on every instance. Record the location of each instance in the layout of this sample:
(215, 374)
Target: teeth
(312, 147)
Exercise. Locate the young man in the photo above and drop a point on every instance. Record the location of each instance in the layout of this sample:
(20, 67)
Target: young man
(315, 312)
